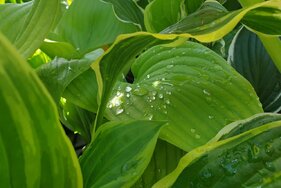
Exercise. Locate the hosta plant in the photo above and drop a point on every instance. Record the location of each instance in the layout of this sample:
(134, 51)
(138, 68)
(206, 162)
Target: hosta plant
(140, 93)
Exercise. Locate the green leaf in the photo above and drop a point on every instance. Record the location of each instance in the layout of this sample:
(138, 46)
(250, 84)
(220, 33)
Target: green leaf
(119, 154)
(248, 56)
(128, 11)
(90, 24)
(249, 159)
(266, 19)
(34, 150)
(171, 11)
(58, 74)
(32, 22)
(219, 22)
(164, 160)
(39, 58)
(76, 119)
(192, 5)
(59, 49)
(188, 85)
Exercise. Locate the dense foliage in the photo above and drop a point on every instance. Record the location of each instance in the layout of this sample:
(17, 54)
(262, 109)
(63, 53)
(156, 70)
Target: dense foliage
(140, 93)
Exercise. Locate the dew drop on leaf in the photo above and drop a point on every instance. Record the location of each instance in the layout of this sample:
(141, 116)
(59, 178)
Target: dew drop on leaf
(119, 110)
(128, 89)
(140, 91)
(169, 66)
(206, 92)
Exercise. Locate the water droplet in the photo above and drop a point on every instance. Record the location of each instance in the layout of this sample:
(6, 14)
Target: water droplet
(268, 148)
(153, 93)
(168, 92)
(165, 112)
(192, 130)
(211, 117)
(128, 89)
(206, 174)
(148, 76)
(160, 95)
(269, 166)
(110, 105)
(169, 66)
(127, 95)
(167, 101)
(197, 136)
(119, 111)
(140, 91)
(206, 92)
(149, 116)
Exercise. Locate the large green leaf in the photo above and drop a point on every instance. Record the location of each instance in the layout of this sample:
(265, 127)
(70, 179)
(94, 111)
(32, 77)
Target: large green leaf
(31, 23)
(128, 11)
(34, 150)
(90, 24)
(171, 11)
(188, 85)
(250, 159)
(248, 56)
(119, 153)
(219, 21)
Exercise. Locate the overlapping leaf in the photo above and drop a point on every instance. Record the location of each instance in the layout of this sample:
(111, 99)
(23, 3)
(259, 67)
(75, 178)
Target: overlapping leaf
(34, 150)
(119, 153)
(219, 21)
(31, 23)
(128, 11)
(90, 24)
(248, 56)
(171, 11)
(191, 87)
(250, 159)
(164, 160)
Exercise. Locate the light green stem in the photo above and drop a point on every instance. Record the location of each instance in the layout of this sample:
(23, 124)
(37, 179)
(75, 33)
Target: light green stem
(271, 44)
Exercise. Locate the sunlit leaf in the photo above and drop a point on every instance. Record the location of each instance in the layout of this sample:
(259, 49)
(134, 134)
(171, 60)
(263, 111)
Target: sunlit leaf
(34, 150)
(188, 85)
(119, 153)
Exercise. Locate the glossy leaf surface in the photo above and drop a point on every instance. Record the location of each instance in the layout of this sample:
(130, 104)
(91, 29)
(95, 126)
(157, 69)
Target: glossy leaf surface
(90, 24)
(171, 11)
(248, 159)
(34, 150)
(32, 22)
(119, 153)
(188, 85)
